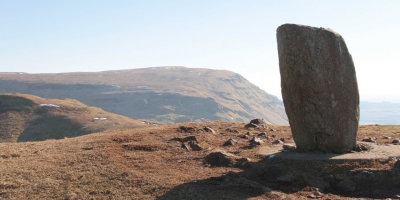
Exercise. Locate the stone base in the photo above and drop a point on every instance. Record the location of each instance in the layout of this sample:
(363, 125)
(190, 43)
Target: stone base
(378, 152)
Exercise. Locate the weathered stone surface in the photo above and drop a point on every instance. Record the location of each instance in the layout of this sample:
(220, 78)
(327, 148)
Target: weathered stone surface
(230, 142)
(256, 141)
(319, 88)
(262, 134)
(360, 147)
(277, 142)
(221, 158)
(208, 129)
(184, 146)
(194, 146)
(369, 139)
(243, 163)
(190, 138)
(289, 147)
(258, 121)
(251, 125)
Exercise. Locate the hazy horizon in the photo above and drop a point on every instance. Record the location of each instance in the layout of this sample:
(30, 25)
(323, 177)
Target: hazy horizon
(236, 35)
(370, 100)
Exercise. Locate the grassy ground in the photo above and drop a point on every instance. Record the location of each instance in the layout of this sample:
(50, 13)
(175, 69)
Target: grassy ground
(145, 163)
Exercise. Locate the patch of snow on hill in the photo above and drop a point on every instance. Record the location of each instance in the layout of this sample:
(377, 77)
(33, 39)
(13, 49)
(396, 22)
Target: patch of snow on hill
(100, 118)
(49, 105)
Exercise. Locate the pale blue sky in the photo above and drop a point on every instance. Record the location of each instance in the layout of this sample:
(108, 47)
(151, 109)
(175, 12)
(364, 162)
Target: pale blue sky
(44, 36)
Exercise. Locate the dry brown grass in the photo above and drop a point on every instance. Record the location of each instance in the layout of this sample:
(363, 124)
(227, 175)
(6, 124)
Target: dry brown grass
(144, 164)
(127, 164)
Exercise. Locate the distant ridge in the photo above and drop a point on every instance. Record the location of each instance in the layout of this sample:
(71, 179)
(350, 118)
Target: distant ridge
(165, 94)
(383, 113)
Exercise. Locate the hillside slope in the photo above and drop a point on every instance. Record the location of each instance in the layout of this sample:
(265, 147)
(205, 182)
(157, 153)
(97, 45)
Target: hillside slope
(31, 118)
(166, 94)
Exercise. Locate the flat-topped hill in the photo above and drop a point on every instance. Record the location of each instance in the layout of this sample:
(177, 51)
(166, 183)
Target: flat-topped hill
(165, 94)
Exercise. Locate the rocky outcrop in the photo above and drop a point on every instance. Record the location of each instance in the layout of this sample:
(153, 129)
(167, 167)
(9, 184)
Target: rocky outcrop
(319, 88)
(221, 158)
(230, 142)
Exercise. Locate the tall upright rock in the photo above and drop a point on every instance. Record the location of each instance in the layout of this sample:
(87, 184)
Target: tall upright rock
(319, 88)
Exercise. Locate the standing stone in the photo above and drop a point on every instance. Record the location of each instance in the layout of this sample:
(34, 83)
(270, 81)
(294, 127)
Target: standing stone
(319, 88)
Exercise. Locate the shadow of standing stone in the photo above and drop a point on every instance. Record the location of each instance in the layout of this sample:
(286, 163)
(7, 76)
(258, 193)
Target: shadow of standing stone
(319, 88)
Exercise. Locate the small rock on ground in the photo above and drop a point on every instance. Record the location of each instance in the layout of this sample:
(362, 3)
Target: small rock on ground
(186, 129)
(396, 141)
(243, 163)
(369, 139)
(289, 147)
(190, 138)
(315, 195)
(230, 142)
(256, 141)
(277, 142)
(220, 158)
(258, 121)
(231, 130)
(194, 146)
(175, 139)
(362, 147)
(251, 125)
(184, 146)
(244, 136)
(208, 129)
(263, 134)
